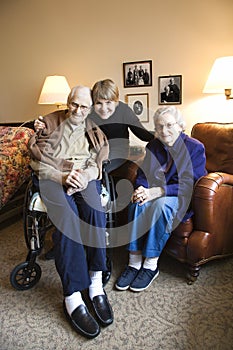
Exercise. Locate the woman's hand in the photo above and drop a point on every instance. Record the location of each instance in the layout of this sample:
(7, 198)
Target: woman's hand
(39, 124)
(142, 194)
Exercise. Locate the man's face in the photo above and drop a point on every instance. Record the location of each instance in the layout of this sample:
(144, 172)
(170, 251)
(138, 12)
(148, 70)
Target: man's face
(79, 108)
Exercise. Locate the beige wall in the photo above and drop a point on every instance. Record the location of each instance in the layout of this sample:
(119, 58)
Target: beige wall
(89, 40)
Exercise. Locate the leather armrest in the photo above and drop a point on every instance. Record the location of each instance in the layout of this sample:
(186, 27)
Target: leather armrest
(213, 181)
(212, 198)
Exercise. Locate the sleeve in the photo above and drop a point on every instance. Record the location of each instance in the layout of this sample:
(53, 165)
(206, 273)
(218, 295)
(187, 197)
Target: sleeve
(41, 147)
(190, 167)
(99, 148)
(137, 128)
(91, 169)
(199, 162)
(187, 180)
(141, 179)
(47, 172)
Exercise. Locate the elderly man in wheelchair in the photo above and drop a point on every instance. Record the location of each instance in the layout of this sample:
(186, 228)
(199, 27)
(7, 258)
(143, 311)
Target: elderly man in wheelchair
(67, 158)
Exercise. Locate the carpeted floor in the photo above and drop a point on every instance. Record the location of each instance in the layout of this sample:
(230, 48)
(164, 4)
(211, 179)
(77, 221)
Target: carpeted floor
(168, 315)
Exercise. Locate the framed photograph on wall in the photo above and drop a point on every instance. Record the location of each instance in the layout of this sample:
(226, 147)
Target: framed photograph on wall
(170, 89)
(140, 105)
(137, 74)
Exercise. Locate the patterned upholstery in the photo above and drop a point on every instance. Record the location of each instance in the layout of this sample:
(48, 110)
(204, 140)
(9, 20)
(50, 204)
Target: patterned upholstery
(14, 160)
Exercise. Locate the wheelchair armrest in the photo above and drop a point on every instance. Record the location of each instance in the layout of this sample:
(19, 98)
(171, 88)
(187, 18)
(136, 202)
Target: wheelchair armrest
(105, 164)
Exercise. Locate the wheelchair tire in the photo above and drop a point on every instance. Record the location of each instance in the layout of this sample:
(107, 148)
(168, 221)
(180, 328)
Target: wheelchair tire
(23, 278)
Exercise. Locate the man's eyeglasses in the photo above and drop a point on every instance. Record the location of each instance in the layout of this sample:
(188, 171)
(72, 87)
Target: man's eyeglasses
(167, 126)
(77, 106)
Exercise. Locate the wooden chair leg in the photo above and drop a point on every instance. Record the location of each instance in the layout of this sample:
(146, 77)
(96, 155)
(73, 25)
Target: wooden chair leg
(193, 273)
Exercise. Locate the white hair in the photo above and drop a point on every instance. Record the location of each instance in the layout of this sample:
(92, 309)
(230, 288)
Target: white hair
(81, 91)
(175, 112)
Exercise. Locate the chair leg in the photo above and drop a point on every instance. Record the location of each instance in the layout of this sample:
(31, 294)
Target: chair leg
(193, 273)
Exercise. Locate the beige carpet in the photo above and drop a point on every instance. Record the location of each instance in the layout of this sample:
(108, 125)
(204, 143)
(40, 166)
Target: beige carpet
(169, 315)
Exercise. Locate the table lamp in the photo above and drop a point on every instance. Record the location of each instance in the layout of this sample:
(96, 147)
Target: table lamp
(220, 78)
(55, 91)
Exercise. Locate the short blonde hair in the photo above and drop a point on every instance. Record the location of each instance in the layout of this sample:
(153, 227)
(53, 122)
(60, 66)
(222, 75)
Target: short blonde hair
(175, 112)
(105, 90)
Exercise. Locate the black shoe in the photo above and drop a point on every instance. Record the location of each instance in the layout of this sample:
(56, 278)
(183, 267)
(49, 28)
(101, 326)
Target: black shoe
(82, 321)
(103, 309)
(106, 275)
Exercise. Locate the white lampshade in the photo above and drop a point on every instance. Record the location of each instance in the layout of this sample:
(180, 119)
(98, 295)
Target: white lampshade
(221, 76)
(55, 91)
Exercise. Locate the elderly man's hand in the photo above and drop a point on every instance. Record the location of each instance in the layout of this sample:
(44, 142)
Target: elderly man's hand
(77, 180)
(142, 195)
(39, 124)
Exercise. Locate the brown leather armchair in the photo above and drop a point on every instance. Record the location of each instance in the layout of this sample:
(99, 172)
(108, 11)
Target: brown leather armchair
(208, 234)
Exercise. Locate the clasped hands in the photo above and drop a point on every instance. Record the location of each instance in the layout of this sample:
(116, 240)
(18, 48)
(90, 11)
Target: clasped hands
(76, 180)
(142, 194)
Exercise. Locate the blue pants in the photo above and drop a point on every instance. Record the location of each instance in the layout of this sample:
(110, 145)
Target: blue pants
(79, 238)
(151, 225)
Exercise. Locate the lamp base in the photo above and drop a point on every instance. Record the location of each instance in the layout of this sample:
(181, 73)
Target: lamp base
(228, 94)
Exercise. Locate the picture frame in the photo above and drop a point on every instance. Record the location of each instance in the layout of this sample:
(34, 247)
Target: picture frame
(136, 74)
(170, 89)
(139, 103)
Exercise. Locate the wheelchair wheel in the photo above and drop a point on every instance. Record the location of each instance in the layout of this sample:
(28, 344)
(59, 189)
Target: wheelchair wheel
(36, 223)
(23, 278)
(35, 227)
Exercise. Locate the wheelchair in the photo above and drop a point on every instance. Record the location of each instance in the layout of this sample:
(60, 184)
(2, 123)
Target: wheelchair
(36, 224)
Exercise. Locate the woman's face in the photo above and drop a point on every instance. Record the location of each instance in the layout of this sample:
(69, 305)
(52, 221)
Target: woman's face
(105, 108)
(167, 129)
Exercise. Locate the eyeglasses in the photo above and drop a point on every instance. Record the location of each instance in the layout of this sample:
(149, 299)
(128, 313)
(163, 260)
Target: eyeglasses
(77, 106)
(167, 126)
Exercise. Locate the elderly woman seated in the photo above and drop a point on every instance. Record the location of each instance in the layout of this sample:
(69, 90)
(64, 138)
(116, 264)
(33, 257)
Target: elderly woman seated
(162, 195)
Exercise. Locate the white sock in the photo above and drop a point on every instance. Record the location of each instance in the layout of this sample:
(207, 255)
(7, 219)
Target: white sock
(135, 260)
(96, 287)
(151, 263)
(73, 301)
